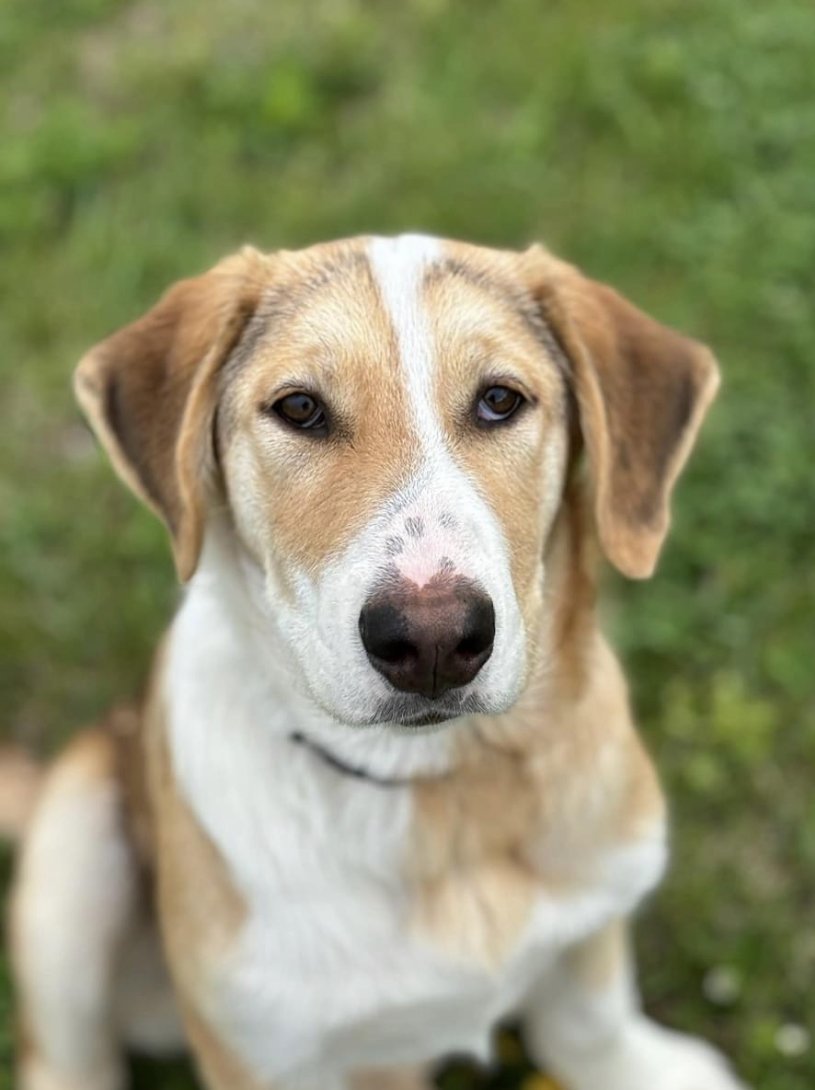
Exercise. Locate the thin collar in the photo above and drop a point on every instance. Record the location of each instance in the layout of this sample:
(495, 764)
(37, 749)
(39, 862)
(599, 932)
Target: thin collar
(347, 770)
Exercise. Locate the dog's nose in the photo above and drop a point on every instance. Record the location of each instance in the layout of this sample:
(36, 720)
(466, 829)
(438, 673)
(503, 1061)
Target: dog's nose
(429, 639)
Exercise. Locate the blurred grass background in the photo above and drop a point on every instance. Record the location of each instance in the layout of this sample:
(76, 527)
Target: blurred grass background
(669, 147)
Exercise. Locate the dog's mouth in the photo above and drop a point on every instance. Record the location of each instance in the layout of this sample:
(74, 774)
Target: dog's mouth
(429, 719)
(415, 712)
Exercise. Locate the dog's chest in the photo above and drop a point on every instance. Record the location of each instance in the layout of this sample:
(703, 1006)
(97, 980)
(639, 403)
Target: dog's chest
(335, 969)
(328, 970)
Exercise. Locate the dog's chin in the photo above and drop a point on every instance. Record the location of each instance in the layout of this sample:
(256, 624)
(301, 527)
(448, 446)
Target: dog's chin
(421, 721)
(414, 714)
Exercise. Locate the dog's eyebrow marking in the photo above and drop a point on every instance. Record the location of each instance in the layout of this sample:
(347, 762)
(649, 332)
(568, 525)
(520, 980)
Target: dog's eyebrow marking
(281, 301)
(515, 297)
(414, 527)
(286, 298)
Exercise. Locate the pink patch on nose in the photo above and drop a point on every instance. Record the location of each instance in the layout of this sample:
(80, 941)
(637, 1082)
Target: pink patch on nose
(423, 544)
(426, 557)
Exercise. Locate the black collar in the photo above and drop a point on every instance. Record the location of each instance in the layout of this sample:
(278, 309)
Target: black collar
(348, 770)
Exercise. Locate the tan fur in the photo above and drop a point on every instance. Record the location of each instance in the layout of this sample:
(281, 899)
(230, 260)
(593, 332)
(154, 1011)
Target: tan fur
(413, 1079)
(20, 783)
(125, 725)
(219, 1067)
(599, 961)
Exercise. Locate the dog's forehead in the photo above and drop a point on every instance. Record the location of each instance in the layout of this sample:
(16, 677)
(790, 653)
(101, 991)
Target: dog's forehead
(346, 303)
(402, 258)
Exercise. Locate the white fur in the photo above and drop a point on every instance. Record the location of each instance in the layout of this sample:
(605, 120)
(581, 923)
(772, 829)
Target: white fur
(327, 974)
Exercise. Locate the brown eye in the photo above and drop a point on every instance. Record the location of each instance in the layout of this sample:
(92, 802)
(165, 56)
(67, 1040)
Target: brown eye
(498, 403)
(302, 411)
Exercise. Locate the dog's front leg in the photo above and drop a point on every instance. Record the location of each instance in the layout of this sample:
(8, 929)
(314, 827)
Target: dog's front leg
(584, 1024)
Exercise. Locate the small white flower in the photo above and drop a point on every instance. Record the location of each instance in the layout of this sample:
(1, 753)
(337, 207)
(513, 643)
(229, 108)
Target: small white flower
(792, 1040)
(722, 985)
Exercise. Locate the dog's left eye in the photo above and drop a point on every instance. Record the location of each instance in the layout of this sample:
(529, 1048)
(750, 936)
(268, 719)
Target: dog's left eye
(498, 403)
(302, 411)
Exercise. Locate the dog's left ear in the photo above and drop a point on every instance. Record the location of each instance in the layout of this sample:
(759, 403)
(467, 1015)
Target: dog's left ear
(642, 391)
(150, 391)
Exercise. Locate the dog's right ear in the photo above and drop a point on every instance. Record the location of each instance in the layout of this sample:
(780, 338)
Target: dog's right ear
(149, 392)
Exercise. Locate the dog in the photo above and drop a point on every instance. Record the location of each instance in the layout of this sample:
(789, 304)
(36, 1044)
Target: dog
(383, 788)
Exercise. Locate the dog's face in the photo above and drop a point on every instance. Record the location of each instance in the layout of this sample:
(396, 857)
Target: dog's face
(390, 424)
(393, 440)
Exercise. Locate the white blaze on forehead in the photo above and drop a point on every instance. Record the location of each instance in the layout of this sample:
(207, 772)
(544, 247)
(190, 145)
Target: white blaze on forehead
(399, 266)
(440, 517)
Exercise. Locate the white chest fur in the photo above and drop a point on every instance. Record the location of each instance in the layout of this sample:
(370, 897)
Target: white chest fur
(328, 973)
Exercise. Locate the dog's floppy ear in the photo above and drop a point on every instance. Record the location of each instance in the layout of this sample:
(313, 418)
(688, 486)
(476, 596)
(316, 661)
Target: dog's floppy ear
(149, 392)
(642, 391)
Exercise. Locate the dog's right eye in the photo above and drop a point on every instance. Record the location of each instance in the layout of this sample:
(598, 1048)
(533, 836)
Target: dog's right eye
(302, 411)
(498, 404)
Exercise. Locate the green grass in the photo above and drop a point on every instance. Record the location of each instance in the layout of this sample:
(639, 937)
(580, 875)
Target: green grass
(669, 146)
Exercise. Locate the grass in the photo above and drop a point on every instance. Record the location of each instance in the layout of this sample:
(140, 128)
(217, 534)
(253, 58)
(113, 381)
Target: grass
(667, 146)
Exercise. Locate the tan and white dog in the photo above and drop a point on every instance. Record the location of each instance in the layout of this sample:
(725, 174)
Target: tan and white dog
(384, 788)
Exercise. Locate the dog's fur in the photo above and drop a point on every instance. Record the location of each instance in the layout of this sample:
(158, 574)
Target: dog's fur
(340, 892)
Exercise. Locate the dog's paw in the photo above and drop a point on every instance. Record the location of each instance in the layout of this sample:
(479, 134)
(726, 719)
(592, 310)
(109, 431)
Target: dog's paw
(648, 1057)
(689, 1064)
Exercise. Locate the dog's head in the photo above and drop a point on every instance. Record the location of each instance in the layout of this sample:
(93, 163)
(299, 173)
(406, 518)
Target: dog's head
(390, 424)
